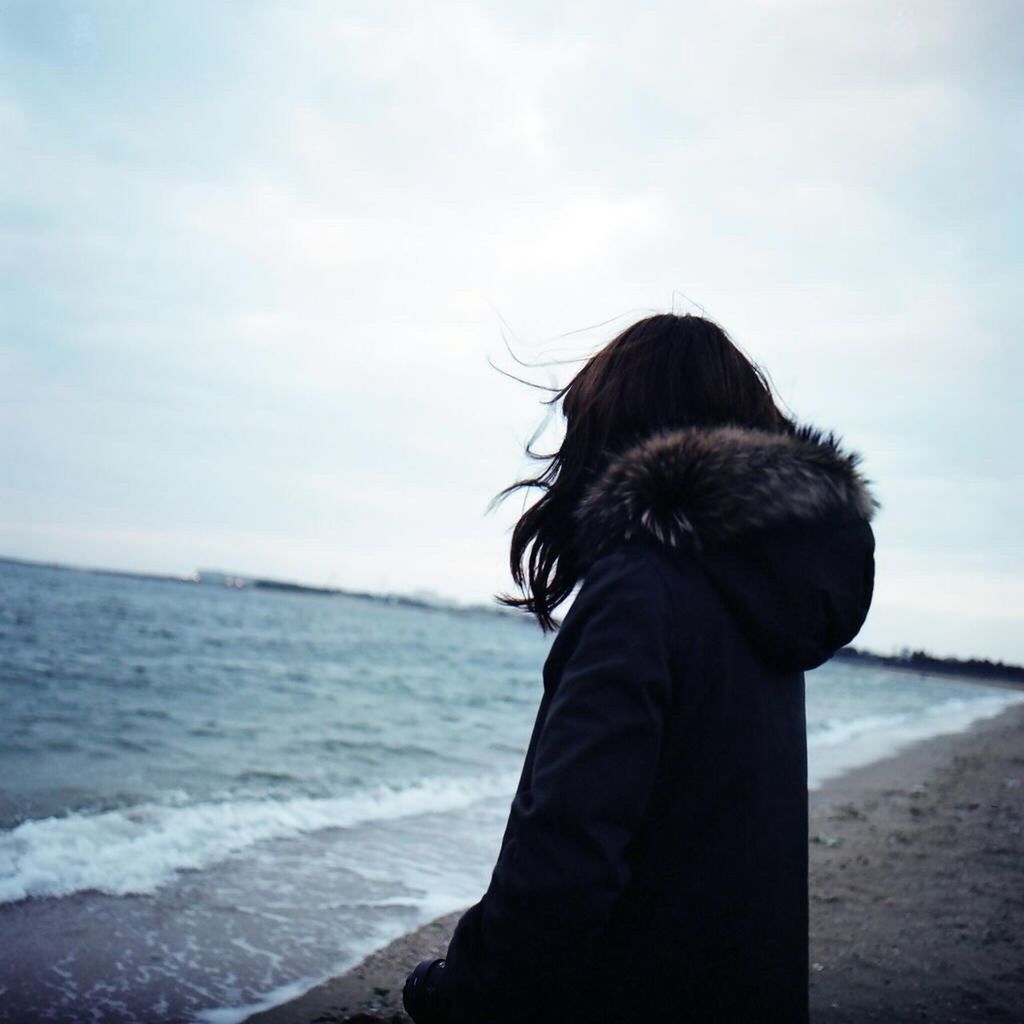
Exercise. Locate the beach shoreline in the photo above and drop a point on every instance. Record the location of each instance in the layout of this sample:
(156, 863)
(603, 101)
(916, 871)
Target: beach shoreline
(917, 866)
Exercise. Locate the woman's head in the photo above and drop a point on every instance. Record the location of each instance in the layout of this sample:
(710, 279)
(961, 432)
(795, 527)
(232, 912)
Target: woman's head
(664, 372)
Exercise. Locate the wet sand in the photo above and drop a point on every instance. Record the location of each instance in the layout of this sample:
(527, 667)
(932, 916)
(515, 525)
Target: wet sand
(917, 895)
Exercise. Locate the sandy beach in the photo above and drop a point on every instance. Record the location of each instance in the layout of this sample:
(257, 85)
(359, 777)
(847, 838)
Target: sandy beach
(917, 895)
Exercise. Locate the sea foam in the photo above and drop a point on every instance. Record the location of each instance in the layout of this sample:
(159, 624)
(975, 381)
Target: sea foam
(135, 850)
(837, 745)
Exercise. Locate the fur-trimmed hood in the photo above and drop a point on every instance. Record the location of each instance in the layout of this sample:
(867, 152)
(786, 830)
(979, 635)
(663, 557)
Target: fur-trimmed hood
(697, 487)
(780, 522)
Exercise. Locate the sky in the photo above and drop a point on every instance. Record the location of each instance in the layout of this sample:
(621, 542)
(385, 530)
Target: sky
(257, 261)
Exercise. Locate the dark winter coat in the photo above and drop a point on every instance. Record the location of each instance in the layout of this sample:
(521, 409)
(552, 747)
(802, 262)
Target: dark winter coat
(654, 866)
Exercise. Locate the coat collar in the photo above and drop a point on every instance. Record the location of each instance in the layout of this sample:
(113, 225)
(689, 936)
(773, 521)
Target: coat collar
(696, 486)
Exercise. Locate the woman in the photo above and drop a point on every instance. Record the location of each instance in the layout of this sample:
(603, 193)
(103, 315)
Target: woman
(655, 857)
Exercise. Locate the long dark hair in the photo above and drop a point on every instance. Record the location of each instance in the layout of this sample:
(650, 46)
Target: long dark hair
(663, 372)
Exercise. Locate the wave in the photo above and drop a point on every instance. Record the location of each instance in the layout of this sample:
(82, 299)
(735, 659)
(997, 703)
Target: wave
(135, 850)
(282, 994)
(837, 745)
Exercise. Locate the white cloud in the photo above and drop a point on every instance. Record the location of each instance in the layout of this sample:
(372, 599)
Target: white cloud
(251, 289)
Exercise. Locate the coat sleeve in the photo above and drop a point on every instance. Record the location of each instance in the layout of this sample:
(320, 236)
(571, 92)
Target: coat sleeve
(530, 940)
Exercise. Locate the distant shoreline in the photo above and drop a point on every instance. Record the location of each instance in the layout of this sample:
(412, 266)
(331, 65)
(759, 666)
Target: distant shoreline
(242, 582)
(923, 663)
(974, 669)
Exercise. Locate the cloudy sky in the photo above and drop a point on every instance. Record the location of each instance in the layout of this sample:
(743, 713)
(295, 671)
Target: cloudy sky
(256, 258)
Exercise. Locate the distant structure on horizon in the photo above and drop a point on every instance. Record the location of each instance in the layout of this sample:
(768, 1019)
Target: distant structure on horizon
(217, 578)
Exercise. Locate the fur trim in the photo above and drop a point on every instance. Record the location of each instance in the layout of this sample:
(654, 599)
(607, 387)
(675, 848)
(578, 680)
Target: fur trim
(697, 486)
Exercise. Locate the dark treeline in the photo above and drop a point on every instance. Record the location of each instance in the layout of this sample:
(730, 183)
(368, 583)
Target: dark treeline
(401, 600)
(924, 662)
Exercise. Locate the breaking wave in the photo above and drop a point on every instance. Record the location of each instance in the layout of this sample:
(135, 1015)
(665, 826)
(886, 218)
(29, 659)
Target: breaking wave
(837, 745)
(135, 850)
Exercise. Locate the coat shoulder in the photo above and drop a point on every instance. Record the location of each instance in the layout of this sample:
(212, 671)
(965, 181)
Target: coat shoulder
(651, 585)
(631, 571)
(670, 574)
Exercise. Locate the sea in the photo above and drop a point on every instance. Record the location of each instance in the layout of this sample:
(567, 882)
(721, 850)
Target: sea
(212, 798)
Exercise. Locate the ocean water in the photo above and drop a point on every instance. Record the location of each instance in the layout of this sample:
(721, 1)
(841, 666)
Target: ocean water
(213, 798)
